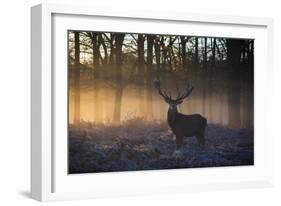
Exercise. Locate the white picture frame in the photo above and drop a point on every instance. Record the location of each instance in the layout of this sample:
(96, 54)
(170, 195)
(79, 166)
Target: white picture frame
(49, 178)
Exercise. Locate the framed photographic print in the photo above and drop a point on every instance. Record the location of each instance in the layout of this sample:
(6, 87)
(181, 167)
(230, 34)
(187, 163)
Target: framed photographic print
(135, 103)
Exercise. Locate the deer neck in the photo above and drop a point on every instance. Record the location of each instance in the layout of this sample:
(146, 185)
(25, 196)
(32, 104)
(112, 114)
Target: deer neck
(172, 113)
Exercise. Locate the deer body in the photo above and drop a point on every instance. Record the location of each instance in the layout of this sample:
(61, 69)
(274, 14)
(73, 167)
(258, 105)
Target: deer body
(183, 125)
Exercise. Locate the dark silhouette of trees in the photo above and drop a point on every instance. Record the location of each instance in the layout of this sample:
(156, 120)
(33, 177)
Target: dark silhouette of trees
(196, 61)
(234, 50)
(205, 52)
(141, 62)
(96, 49)
(214, 45)
(116, 60)
(77, 78)
(183, 40)
(119, 38)
(163, 52)
(251, 53)
(96, 65)
(141, 39)
(157, 46)
(111, 38)
(150, 43)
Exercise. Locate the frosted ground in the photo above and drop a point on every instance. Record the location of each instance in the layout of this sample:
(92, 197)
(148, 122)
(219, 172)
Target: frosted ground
(140, 145)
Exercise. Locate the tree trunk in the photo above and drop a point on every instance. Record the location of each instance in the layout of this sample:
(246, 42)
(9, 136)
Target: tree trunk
(140, 51)
(102, 43)
(214, 51)
(140, 60)
(157, 52)
(112, 50)
(170, 53)
(205, 52)
(119, 38)
(234, 49)
(150, 42)
(183, 52)
(164, 51)
(251, 54)
(196, 53)
(96, 65)
(244, 52)
(77, 79)
(96, 51)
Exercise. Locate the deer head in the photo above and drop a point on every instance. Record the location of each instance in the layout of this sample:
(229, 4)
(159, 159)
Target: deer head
(173, 103)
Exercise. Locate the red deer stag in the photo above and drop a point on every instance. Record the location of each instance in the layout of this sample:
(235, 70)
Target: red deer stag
(183, 125)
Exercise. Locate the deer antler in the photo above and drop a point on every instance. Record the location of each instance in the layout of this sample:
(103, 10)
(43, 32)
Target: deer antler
(156, 84)
(180, 96)
(188, 91)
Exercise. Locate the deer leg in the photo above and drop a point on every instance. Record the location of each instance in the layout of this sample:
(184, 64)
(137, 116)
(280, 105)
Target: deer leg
(201, 140)
(177, 152)
(179, 140)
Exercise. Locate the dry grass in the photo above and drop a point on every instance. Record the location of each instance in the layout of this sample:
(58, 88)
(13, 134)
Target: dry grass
(136, 144)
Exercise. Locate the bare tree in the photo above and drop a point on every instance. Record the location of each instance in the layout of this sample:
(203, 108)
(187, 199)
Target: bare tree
(111, 40)
(150, 43)
(251, 53)
(214, 51)
(96, 50)
(119, 37)
(205, 51)
(140, 52)
(141, 61)
(157, 46)
(196, 57)
(234, 49)
(183, 51)
(77, 78)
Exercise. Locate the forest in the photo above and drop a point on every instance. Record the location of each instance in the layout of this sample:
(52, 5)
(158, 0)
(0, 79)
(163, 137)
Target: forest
(117, 120)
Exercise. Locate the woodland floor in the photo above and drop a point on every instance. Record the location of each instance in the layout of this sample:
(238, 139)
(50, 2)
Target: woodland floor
(140, 145)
